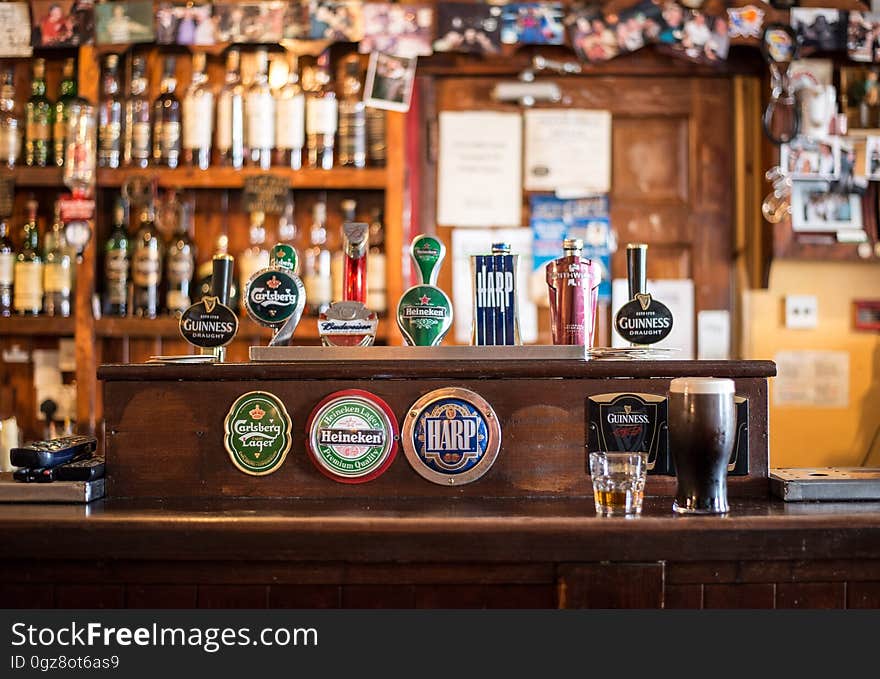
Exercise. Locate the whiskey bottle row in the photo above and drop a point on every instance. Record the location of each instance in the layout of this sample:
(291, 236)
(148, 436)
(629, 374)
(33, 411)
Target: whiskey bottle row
(300, 122)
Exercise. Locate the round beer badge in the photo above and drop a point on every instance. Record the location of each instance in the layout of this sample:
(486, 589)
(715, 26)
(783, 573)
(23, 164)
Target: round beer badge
(352, 436)
(257, 433)
(451, 436)
(273, 296)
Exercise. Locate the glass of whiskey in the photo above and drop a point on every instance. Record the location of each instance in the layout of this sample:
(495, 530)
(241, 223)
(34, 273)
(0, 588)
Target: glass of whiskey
(618, 482)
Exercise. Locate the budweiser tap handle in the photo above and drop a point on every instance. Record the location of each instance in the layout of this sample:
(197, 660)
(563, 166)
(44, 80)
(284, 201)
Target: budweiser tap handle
(221, 278)
(637, 268)
(355, 272)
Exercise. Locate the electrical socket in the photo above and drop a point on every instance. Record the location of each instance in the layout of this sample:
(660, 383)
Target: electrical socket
(801, 312)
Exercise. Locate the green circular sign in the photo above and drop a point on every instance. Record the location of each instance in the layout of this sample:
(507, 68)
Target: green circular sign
(273, 296)
(257, 433)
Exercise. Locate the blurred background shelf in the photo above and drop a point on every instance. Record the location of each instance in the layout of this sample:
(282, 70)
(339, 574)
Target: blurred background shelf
(230, 178)
(43, 326)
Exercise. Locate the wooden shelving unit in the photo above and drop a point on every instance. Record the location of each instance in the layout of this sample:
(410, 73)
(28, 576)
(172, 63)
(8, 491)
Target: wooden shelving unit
(38, 177)
(230, 178)
(38, 326)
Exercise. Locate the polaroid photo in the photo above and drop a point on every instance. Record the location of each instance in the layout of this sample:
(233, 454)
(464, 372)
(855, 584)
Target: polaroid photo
(184, 24)
(120, 23)
(806, 158)
(337, 21)
(872, 158)
(591, 36)
(820, 29)
(637, 26)
(62, 23)
(251, 22)
(389, 82)
(405, 30)
(863, 36)
(471, 28)
(814, 207)
(745, 22)
(533, 23)
(13, 41)
(703, 38)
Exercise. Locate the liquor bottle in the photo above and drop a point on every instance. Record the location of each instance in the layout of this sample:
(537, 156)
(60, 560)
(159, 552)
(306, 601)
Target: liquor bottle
(28, 270)
(256, 256)
(38, 120)
(180, 264)
(110, 115)
(57, 269)
(377, 297)
(138, 146)
(572, 282)
(10, 123)
(166, 119)
(287, 228)
(376, 137)
(7, 264)
(260, 115)
(66, 95)
(146, 266)
(337, 259)
(352, 115)
(198, 116)
(322, 113)
(316, 267)
(230, 114)
(116, 265)
(290, 117)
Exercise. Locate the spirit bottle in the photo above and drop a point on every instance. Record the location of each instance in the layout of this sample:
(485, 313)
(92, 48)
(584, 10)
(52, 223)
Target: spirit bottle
(376, 150)
(352, 115)
(66, 95)
(28, 269)
(146, 266)
(260, 110)
(166, 119)
(255, 257)
(116, 265)
(322, 114)
(10, 123)
(377, 298)
(230, 114)
(57, 270)
(572, 282)
(7, 264)
(287, 228)
(38, 120)
(110, 115)
(138, 129)
(316, 268)
(198, 116)
(180, 264)
(290, 119)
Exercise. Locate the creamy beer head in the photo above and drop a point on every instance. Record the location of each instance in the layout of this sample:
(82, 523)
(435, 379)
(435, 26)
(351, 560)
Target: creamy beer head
(701, 385)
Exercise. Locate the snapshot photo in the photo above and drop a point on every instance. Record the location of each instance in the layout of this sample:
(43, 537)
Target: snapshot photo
(184, 24)
(62, 23)
(337, 21)
(872, 158)
(118, 23)
(405, 30)
(250, 22)
(745, 22)
(862, 35)
(815, 208)
(296, 24)
(820, 29)
(390, 81)
(532, 23)
(805, 158)
(591, 35)
(702, 37)
(472, 28)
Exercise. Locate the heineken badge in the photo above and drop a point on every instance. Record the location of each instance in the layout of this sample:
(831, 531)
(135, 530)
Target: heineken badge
(643, 320)
(257, 433)
(352, 436)
(208, 324)
(424, 313)
(451, 436)
(275, 297)
(348, 324)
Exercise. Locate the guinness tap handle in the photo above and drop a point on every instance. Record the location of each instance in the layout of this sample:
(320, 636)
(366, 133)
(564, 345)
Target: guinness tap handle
(221, 278)
(637, 268)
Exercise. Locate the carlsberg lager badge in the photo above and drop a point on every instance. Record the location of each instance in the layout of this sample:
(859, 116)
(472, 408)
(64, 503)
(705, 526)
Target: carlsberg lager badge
(257, 433)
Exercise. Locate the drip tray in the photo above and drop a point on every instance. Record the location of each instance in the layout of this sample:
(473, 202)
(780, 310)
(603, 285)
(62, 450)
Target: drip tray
(795, 484)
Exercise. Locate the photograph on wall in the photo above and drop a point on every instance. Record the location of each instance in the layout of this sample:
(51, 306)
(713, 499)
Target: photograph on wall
(389, 82)
(471, 28)
(120, 23)
(184, 24)
(404, 30)
(250, 22)
(62, 23)
(872, 158)
(703, 38)
(814, 207)
(14, 42)
(862, 36)
(822, 30)
(745, 22)
(337, 21)
(297, 23)
(806, 158)
(592, 38)
(532, 23)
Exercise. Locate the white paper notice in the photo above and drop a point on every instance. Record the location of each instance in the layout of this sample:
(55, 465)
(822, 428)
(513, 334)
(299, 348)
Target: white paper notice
(480, 175)
(713, 335)
(15, 35)
(811, 378)
(678, 296)
(467, 242)
(568, 151)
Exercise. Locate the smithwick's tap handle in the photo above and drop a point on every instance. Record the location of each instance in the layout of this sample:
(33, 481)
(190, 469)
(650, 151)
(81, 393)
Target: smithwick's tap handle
(637, 268)
(428, 254)
(221, 278)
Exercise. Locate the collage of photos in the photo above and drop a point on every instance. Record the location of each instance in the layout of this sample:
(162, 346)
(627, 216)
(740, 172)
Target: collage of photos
(806, 158)
(184, 24)
(468, 28)
(815, 207)
(872, 158)
(121, 23)
(863, 36)
(402, 30)
(532, 23)
(821, 30)
(337, 21)
(255, 22)
(62, 23)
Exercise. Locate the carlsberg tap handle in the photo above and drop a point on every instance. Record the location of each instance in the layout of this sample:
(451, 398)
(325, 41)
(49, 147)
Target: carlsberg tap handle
(284, 257)
(221, 277)
(428, 253)
(637, 268)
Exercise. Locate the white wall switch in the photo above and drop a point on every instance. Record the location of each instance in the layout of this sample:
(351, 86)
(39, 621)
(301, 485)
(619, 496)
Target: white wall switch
(801, 311)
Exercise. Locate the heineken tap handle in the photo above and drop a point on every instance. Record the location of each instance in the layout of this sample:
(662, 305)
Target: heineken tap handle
(428, 253)
(221, 278)
(637, 268)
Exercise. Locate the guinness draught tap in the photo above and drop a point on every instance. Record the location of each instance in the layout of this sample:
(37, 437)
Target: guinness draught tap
(642, 320)
(209, 323)
(424, 312)
(275, 296)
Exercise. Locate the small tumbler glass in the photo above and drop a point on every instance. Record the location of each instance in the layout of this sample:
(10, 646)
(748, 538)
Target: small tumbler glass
(618, 482)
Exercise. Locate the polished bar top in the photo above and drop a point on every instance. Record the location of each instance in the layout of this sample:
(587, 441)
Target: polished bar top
(436, 530)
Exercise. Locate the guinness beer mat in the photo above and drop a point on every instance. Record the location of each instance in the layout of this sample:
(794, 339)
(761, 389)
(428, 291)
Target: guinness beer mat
(451, 436)
(352, 436)
(257, 433)
(630, 423)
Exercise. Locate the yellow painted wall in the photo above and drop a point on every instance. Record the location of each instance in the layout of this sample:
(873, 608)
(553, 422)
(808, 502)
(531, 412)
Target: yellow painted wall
(814, 436)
